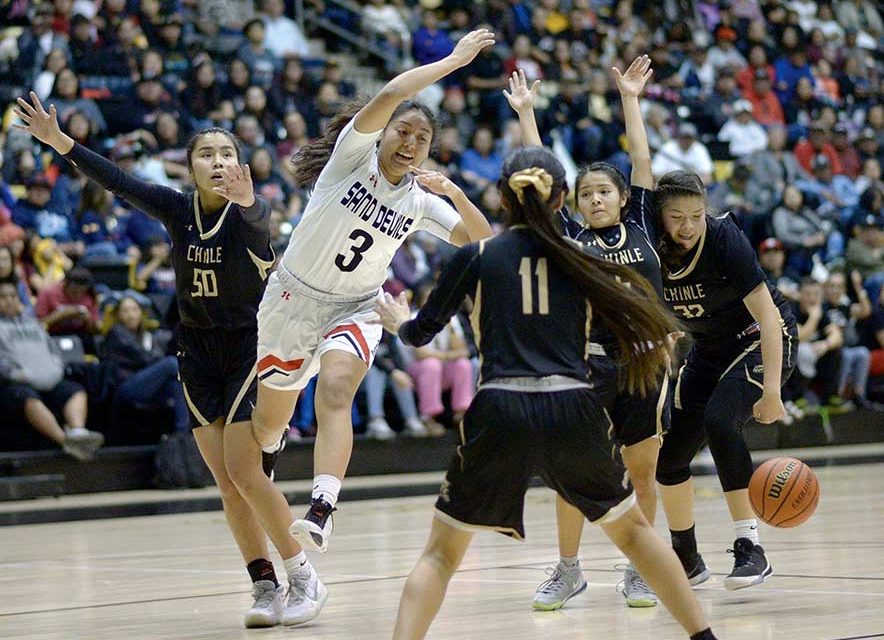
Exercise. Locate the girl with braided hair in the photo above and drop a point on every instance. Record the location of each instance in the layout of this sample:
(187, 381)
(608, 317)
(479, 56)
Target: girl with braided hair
(534, 295)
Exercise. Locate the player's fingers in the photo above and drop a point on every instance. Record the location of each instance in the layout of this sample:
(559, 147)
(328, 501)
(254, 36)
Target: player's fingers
(21, 114)
(26, 106)
(523, 78)
(38, 106)
(535, 87)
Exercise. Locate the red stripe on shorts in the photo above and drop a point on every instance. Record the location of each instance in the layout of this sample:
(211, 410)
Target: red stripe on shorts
(354, 331)
(286, 365)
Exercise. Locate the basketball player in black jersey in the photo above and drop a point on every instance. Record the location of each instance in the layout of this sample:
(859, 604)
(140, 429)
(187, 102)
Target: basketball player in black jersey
(534, 293)
(614, 221)
(744, 341)
(221, 255)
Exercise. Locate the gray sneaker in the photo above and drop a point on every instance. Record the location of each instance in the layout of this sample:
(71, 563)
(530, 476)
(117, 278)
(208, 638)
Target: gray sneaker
(267, 609)
(307, 595)
(80, 443)
(636, 590)
(564, 583)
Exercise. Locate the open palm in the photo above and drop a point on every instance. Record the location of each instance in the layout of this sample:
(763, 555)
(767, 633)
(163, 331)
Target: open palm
(38, 122)
(633, 81)
(521, 96)
(471, 44)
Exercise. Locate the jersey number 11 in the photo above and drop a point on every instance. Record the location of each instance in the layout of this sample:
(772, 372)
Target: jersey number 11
(528, 286)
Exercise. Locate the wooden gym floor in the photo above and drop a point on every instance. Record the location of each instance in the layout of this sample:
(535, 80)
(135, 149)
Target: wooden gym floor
(180, 576)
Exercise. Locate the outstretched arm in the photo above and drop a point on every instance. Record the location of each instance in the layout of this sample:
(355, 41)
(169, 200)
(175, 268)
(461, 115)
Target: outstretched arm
(473, 226)
(631, 85)
(521, 99)
(376, 114)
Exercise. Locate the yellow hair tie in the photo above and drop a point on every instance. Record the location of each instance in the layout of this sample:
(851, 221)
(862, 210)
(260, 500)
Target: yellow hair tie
(536, 177)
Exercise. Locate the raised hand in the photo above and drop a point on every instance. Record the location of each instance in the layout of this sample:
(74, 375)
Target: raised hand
(470, 45)
(633, 81)
(39, 123)
(237, 186)
(434, 181)
(520, 96)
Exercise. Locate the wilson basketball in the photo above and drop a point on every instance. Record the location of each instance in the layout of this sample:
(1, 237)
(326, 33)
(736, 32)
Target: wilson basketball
(784, 492)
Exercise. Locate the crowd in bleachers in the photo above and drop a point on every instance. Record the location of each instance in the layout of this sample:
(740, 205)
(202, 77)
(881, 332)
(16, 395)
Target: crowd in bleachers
(777, 105)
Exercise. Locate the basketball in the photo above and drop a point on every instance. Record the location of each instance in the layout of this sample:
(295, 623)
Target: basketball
(784, 492)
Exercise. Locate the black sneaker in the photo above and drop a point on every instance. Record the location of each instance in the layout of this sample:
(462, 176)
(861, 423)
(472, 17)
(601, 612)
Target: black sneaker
(695, 569)
(268, 460)
(314, 531)
(750, 565)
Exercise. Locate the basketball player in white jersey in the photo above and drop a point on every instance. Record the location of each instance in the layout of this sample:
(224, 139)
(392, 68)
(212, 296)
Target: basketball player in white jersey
(368, 195)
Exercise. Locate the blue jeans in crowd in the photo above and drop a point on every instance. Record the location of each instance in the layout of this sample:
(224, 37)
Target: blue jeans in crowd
(155, 387)
(375, 388)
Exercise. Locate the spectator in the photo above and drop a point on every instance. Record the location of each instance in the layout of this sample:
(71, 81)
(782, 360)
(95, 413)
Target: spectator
(839, 311)
(54, 63)
(173, 51)
(480, 165)
(819, 348)
(836, 192)
(332, 74)
(386, 23)
(685, 152)
(202, 99)
(239, 78)
(294, 91)
(766, 106)
(295, 137)
(865, 250)
(262, 63)
(816, 143)
(441, 365)
(869, 179)
(485, 78)
(266, 180)
(65, 95)
(48, 264)
(282, 35)
(410, 265)
(868, 145)
(742, 133)
(36, 42)
(724, 53)
(733, 195)
(90, 222)
(848, 158)
(36, 213)
(388, 370)
(789, 69)
(38, 394)
(772, 257)
(801, 231)
(430, 42)
(758, 67)
(9, 272)
(70, 307)
(523, 58)
(773, 169)
(146, 377)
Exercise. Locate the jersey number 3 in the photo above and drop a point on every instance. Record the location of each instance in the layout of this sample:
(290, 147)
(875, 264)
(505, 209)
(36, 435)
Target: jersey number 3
(528, 286)
(363, 243)
(205, 285)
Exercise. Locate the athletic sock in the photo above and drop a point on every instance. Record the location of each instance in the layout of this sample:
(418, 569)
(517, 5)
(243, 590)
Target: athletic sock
(296, 564)
(262, 569)
(747, 529)
(705, 634)
(684, 543)
(570, 561)
(326, 487)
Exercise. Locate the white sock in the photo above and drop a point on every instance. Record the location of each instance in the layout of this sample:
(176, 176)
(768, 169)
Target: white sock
(296, 564)
(747, 529)
(327, 487)
(570, 561)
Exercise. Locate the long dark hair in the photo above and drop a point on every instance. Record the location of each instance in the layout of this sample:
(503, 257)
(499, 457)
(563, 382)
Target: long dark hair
(632, 312)
(313, 156)
(675, 184)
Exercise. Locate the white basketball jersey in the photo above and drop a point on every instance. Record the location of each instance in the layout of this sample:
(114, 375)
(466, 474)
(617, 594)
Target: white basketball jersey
(356, 220)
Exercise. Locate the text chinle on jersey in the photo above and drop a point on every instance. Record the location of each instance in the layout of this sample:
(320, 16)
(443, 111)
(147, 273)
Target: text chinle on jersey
(360, 201)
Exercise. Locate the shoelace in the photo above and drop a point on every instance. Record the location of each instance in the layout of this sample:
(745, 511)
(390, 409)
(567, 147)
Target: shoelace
(298, 585)
(742, 556)
(263, 596)
(556, 580)
(633, 581)
(321, 510)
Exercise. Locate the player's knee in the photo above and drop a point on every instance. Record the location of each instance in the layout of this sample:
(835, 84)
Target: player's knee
(644, 481)
(445, 559)
(672, 474)
(335, 393)
(243, 478)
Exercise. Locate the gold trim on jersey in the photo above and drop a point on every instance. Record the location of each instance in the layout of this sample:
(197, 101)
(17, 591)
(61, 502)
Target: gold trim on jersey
(242, 392)
(620, 242)
(476, 313)
(196, 412)
(472, 528)
(264, 266)
(688, 269)
(199, 220)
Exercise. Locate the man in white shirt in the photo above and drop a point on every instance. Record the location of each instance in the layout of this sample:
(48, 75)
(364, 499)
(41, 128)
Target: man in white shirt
(282, 35)
(684, 152)
(742, 132)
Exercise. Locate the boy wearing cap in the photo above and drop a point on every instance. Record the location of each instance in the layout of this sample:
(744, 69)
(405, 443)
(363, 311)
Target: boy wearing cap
(742, 133)
(817, 142)
(766, 106)
(772, 258)
(684, 152)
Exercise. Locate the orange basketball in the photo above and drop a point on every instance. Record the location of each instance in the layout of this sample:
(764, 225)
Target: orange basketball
(784, 492)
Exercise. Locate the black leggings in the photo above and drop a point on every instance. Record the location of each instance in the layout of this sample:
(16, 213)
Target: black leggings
(713, 403)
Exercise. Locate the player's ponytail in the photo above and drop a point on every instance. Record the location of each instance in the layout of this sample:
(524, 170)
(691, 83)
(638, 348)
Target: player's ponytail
(312, 157)
(531, 183)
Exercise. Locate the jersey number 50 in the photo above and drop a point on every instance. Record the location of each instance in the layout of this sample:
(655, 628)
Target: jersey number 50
(204, 284)
(348, 263)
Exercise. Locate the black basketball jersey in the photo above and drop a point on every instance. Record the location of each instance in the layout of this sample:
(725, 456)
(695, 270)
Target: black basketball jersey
(221, 261)
(707, 292)
(529, 318)
(626, 243)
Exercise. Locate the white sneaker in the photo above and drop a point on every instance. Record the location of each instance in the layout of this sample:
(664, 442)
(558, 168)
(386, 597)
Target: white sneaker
(81, 443)
(379, 429)
(315, 529)
(267, 609)
(306, 596)
(415, 428)
(564, 583)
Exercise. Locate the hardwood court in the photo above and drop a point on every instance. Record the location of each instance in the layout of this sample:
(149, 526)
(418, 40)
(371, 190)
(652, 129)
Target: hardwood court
(179, 576)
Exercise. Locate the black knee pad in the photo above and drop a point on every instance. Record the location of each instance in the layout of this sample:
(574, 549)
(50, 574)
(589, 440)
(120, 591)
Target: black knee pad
(674, 476)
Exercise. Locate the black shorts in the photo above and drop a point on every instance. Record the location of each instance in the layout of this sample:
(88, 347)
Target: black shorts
(509, 436)
(218, 374)
(14, 396)
(701, 374)
(635, 418)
